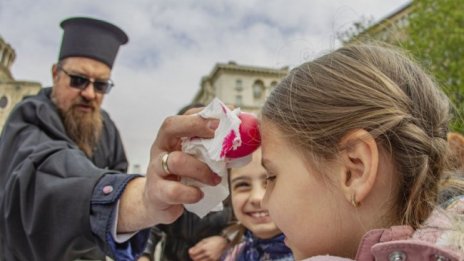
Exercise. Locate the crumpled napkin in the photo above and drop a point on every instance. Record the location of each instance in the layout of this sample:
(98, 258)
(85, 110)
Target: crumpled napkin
(213, 153)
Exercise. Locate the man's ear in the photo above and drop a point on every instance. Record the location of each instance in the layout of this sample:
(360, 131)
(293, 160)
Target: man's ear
(360, 160)
(54, 72)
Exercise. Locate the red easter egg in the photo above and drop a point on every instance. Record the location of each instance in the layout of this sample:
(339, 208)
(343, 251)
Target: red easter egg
(249, 133)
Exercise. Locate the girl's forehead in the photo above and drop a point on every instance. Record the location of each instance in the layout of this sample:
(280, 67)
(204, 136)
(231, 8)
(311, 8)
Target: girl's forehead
(271, 138)
(269, 130)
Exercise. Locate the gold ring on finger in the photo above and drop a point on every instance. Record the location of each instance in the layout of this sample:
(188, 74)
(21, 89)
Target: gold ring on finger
(164, 163)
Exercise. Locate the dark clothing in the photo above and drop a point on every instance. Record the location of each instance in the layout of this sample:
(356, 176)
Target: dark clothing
(188, 230)
(253, 248)
(51, 198)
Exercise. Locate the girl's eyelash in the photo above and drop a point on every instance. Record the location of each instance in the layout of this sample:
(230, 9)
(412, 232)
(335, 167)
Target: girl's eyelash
(270, 178)
(242, 184)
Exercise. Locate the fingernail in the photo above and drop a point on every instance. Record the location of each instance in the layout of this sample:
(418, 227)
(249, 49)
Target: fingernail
(216, 179)
(213, 124)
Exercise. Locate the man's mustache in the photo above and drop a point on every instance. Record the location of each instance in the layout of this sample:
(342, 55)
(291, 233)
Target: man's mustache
(84, 102)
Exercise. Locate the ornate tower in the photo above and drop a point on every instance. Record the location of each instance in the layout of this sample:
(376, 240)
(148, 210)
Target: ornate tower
(11, 91)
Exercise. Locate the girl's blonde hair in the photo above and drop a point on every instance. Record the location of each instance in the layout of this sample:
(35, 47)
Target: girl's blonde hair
(381, 90)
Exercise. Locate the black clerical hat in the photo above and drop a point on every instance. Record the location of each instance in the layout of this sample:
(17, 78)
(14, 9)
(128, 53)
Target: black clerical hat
(92, 38)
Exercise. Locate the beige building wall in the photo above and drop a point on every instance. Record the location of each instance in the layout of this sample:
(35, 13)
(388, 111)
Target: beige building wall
(243, 86)
(11, 91)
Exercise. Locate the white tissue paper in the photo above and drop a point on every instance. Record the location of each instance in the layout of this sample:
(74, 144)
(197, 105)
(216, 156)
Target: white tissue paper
(212, 152)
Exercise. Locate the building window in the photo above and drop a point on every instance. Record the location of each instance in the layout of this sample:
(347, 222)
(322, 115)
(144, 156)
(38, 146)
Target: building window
(273, 86)
(238, 85)
(238, 100)
(3, 102)
(258, 89)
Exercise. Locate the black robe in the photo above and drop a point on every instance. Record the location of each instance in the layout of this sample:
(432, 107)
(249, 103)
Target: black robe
(186, 232)
(46, 183)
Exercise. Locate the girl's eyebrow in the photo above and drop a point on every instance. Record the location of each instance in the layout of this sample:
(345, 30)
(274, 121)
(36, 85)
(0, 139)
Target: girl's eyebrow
(264, 163)
(239, 179)
(267, 164)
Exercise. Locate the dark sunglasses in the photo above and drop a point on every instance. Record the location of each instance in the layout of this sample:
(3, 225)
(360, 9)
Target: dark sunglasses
(81, 82)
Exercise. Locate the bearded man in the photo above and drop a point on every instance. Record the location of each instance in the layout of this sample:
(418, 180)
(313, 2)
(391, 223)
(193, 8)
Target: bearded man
(64, 194)
(58, 150)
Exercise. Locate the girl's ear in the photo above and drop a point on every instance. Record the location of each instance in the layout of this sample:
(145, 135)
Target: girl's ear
(360, 160)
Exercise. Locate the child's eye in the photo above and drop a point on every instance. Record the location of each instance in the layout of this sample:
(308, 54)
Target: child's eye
(270, 179)
(241, 185)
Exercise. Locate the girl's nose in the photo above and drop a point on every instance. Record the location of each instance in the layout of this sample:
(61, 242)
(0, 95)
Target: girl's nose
(256, 195)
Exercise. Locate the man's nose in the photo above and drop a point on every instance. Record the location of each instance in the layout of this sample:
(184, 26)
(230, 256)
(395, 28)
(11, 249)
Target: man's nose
(89, 92)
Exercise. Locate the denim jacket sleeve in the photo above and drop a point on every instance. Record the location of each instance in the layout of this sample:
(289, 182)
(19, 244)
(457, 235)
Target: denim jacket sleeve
(103, 210)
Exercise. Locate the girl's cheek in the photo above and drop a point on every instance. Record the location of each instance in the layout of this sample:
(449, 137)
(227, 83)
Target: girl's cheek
(264, 200)
(266, 197)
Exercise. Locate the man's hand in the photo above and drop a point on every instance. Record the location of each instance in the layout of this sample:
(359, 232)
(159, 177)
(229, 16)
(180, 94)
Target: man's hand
(159, 197)
(208, 249)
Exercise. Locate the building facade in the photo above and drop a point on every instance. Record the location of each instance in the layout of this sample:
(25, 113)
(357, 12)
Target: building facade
(11, 91)
(243, 86)
(391, 29)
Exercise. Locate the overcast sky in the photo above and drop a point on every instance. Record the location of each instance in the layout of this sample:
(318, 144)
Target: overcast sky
(173, 43)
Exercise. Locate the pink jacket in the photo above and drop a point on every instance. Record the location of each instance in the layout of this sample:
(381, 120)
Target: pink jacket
(440, 238)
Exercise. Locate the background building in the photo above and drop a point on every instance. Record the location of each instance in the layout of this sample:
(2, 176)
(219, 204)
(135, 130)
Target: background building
(11, 91)
(391, 29)
(244, 86)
